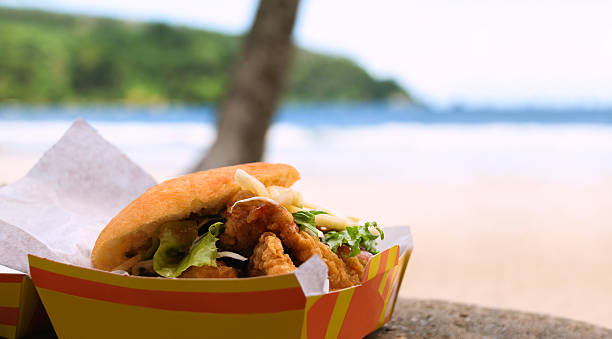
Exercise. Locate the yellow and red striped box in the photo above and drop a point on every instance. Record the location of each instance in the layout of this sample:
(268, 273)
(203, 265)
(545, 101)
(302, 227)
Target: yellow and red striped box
(89, 303)
(21, 311)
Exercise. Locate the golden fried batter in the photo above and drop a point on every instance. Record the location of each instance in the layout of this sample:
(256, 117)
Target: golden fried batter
(248, 220)
(221, 271)
(355, 266)
(364, 258)
(340, 276)
(269, 257)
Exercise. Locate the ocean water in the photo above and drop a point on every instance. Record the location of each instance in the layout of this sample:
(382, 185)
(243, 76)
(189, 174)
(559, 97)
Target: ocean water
(333, 139)
(334, 114)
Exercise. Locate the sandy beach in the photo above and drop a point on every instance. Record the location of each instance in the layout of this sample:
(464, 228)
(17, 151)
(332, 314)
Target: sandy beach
(530, 242)
(513, 242)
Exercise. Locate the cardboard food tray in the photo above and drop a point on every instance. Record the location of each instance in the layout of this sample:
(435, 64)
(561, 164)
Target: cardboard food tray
(77, 186)
(88, 303)
(21, 311)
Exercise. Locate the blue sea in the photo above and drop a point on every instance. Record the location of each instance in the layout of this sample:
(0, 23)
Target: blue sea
(387, 139)
(351, 114)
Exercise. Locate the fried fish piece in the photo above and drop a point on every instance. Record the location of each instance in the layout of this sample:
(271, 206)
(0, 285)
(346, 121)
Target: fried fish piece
(269, 258)
(303, 246)
(221, 271)
(355, 266)
(340, 275)
(247, 220)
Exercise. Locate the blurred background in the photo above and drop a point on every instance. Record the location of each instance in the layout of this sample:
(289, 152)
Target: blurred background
(485, 125)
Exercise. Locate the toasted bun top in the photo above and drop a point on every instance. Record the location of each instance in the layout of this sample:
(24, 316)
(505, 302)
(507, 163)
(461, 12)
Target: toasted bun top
(204, 192)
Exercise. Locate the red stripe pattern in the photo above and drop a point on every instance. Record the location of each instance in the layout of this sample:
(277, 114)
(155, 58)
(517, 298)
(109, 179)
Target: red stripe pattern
(11, 278)
(383, 262)
(367, 303)
(320, 314)
(364, 310)
(9, 315)
(396, 257)
(210, 302)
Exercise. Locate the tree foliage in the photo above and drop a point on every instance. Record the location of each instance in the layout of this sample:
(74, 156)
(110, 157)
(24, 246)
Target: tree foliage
(48, 57)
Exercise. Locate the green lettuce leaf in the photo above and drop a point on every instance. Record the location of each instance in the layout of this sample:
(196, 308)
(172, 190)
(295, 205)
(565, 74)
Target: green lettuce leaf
(179, 248)
(217, 228)
(306, 220)
(368, 239)
(204, 252)
(356, 237)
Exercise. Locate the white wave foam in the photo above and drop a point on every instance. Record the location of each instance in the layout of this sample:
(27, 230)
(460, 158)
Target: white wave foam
(398, 149)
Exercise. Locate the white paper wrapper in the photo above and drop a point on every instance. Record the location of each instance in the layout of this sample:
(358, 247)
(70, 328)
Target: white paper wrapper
(4, 269)
(58, 209)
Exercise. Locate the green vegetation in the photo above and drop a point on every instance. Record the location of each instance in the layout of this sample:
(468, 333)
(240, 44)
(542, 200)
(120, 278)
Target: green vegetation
(47, 57)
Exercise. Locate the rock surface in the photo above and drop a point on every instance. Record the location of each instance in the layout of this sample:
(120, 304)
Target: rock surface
(415, 318)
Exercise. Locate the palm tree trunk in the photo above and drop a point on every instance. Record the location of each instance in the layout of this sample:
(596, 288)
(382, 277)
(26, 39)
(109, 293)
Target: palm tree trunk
(256, 86)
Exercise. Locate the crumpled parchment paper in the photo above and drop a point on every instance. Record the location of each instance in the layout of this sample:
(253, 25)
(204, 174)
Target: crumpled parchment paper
(58, 209)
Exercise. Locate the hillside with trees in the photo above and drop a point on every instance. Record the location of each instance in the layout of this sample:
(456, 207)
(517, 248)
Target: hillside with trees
(57, 58)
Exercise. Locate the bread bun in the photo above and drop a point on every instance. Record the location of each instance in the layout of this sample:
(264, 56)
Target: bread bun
(203, 193)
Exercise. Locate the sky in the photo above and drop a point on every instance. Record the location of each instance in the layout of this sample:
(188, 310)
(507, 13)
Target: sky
(446, 52)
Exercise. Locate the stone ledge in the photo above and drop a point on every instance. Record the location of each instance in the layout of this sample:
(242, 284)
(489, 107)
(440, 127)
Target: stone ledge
(414, 318)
